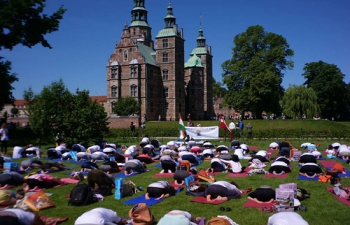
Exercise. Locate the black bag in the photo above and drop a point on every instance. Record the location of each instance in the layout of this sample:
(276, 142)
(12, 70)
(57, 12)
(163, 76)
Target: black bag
(196, 190)
(81, 194)
(128, 189)
(302, 194)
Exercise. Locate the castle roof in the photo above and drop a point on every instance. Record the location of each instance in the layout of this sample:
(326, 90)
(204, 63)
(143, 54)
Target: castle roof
(194, 61)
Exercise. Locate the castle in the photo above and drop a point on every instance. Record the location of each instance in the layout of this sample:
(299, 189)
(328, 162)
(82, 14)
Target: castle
(155, 72)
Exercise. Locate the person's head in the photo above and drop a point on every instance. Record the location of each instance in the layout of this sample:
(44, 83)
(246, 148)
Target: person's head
(6, 198)
(20, 193)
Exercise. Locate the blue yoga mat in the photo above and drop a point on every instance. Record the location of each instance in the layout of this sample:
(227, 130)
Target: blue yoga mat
(122, 175)
(69, 161)
(321, 158)
(307, 178)
(341, 159)
(142, 198)
(346, 174)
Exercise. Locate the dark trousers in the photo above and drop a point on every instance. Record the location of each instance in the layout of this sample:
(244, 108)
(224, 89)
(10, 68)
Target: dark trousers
(4, 146)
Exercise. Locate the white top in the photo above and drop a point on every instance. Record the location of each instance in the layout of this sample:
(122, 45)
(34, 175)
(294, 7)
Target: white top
(172, 144)
(4, 134)
(304, 145)
(182, 148)
(343, 148)
(235, 166)
(279, 163)
(185, 153)
(244, 146)
(145, 139)
(26, 218)
(100, 154)
(227, 185)
(180, 212)
(98, 216)
(273, 145)
(60, 148)
(286, 218)
(239, 152)
(219, 161)
(159, 184)
(94, 148)
(109, 150)
(17, 152)
(130, 150)
(335, 144)
(149, 146)
(263, 153)
(208, 151)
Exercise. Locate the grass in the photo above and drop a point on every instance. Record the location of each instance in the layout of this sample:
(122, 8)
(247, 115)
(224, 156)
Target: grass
(322, 207)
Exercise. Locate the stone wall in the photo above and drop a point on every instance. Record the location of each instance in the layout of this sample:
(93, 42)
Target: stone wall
(123, 121)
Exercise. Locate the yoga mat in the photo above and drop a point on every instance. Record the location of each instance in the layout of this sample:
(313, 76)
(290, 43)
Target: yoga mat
(69, 181)
(271, 175)
(251, 204)
(52, 220)
(320, 158)
(346, 174)
(122, 175)
(327, 163)
(300, 177)
(341, 159)
(202, 222)
(158, 165)
(343, 200)
(164, 175)
(253, 148)
(203, 200)
(244, 174)
(149, 202)
(172, 183)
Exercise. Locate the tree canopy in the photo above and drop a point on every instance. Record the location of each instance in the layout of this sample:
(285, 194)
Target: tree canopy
(76, 117)
(126, 106)
(254, 74)
(298, 101)
(218, 89)
(22, 22)
(332, 92)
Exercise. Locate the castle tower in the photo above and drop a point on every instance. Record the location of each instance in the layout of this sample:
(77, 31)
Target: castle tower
(170, 58)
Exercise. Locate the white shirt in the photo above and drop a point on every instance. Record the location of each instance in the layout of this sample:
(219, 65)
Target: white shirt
(235, 166)
(17, 152)
(343, 148)
(227, 185)
(279, 163)
(145, 139)
(263, 153)
(26, 218)
(98, 216)
(109, 150)
(185, 153)
(130, 150)
(94, 148)
(100, 154)
(239, 152)
(304, 145)
(219, 161)
(208, 151)
(4, 134)
(60, 148)
(286, 218)
(273, 145)
(159, 184)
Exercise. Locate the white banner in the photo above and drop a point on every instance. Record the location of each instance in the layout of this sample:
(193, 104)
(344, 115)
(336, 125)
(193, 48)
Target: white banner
(203, 132)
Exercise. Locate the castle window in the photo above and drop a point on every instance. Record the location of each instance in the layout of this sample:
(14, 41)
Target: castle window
(114, 90)
(133, 71)
(220, 106)
(114, 73)
(165, 75)
(125, 55)
(130, 49)
(166, 92)
(165, 43)
(112, 106)
(133, 90)
(134, 31)
(151, 91)
(120, 50)
(165, 57)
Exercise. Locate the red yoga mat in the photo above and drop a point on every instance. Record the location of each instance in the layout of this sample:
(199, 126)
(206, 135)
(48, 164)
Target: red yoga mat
(271, 175)
(253, 148)
(164, 175)
(343, 200)
(172, 183)
(244, 174)
(203, 200)
(327, 163)
(251, 204)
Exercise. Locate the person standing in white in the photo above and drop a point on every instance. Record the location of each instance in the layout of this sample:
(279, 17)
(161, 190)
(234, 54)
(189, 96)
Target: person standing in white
(4, 138)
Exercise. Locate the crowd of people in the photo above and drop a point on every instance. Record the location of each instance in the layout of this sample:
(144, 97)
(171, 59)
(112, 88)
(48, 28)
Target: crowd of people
(98, 163)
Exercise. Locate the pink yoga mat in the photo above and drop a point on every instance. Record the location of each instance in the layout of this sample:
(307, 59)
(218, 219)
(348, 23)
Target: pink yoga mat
(251, 204)
(172, 183)
(164, 175)
(343, 200)
(327, 163)
(253, 148)
(271, 175)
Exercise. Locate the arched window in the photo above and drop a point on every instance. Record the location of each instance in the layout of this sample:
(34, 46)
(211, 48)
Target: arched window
(112, 106)
(114, 92)
(133, 90)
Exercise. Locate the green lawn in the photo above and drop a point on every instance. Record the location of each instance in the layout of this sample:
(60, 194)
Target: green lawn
(323, 208)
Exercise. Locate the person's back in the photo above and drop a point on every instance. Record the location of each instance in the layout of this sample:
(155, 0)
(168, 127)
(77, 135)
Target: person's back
(17, 152)
(286, 218)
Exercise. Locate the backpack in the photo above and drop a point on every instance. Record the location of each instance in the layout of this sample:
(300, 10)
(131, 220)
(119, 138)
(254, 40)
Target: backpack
(324, 178)
(302, 194)
(128, 189)
(81, 194)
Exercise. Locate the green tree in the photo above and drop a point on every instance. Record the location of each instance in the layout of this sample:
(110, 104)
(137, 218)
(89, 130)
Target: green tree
(74, 116)
(14, 111)
(332, 92)
(126, 106)
(254, 74)
(22, 22)
(6, 80)
(218, 89)
(299, 100)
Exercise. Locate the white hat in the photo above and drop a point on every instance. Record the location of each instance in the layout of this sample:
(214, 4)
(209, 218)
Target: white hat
(273, 145)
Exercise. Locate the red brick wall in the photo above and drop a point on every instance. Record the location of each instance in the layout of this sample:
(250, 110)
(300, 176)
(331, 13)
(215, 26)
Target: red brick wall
(123, 122)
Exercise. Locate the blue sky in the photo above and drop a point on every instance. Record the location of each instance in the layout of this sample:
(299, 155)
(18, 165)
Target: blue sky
(315, 30)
